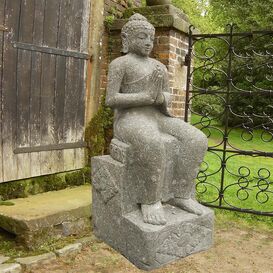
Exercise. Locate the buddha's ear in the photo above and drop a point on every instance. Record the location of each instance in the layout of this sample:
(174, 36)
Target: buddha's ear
(125, 43)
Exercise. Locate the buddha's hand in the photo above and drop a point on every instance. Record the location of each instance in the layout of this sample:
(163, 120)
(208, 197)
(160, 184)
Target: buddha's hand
(159, 99)
(157, 79)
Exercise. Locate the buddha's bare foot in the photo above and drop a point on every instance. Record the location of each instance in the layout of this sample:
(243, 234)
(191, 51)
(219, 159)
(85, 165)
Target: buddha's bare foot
(189, 205)
(153, 214)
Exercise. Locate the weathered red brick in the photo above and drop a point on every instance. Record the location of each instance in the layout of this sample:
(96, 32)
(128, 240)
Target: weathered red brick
(164, 40)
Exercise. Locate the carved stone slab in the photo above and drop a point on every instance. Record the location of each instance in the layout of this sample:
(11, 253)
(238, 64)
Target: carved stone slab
(104, 183)
(119, 150)
(184, 234)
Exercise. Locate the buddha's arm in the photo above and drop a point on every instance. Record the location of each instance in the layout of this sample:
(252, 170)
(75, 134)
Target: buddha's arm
(114, 98)
(166, 88)
(167, 97)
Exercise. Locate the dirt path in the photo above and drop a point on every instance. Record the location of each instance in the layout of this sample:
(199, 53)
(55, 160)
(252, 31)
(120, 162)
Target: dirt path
(235, 250)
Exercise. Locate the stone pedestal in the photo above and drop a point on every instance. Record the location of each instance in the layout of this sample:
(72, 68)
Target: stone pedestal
(149, 246)
(117, 219)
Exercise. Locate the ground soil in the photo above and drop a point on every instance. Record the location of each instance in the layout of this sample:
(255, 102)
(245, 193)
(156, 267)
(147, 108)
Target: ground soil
(237, 249)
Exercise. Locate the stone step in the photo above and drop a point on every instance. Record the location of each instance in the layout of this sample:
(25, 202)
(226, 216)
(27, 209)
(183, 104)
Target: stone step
(10, 268)
(52, 214)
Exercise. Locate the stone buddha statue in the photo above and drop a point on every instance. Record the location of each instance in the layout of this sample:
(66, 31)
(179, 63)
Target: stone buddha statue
(143, 193)
(166, 152)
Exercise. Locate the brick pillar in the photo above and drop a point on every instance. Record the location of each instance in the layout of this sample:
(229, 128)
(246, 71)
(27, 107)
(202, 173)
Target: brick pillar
(170, 46)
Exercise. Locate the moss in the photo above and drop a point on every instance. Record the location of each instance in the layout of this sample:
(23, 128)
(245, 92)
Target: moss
(146, 11)
(87, 175)
(143, 3)
(115, 12)
(36, 185)
(99, 131)
(10, 247)
(109, 20)
(75, 178)
(161, 20)
(128, 13)
(6, 203)
(55, 183)
(130, 3)
(15, 189)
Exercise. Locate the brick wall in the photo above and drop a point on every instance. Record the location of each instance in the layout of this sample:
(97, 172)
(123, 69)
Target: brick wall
(178, 71)
(170, 48)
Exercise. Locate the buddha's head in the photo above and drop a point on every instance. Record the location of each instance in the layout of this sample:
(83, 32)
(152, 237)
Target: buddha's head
(138, 36)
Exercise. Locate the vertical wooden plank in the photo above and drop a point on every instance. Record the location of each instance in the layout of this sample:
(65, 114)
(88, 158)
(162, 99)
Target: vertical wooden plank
(2, 21)
(74, 21)
(80, 116)
(85, 25)
(24, 86)
(70, 110)
(75, 14)
(35, 97)
(48, 72)
(59, 100)
(60, 79)
(48, 135)
(80, 156)
(60, 96)
(12, 15)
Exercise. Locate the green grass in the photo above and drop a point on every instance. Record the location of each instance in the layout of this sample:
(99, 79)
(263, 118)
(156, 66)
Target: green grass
(11, 248)
(227, 218)
(6, 203)
(243, 173)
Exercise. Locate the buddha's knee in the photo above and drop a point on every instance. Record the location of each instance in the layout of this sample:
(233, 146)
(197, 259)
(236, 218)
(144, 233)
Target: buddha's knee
(151, 148)
(202, 139)
(199, 141)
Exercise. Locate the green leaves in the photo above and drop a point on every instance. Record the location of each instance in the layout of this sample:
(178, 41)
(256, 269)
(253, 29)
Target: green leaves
(247, 14)
(213, 15)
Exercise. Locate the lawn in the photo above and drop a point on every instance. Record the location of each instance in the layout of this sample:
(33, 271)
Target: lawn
(248, 180)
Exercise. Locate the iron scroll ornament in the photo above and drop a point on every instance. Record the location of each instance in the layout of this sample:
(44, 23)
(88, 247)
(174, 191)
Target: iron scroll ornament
(237, 173)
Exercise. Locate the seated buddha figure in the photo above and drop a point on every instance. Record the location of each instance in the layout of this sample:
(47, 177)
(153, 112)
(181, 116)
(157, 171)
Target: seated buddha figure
(138, 91)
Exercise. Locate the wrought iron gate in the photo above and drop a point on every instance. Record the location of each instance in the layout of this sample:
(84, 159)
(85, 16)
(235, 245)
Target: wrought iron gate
(230, 98)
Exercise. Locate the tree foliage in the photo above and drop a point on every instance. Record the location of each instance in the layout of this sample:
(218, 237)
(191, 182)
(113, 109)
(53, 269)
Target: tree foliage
(199, 14)
(246, 14)
(213, 15)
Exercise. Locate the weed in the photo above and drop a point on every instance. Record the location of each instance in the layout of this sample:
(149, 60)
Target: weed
(6, 203)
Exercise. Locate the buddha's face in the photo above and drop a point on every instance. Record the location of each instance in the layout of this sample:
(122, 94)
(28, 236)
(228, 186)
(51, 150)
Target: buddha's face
(141, 42)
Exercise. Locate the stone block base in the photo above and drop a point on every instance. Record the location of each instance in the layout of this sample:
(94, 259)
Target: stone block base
(39, 218)
(118, 221)
(33, 239)
(150, 246)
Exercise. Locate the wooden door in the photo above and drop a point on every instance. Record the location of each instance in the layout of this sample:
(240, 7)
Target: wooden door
(43, 56)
